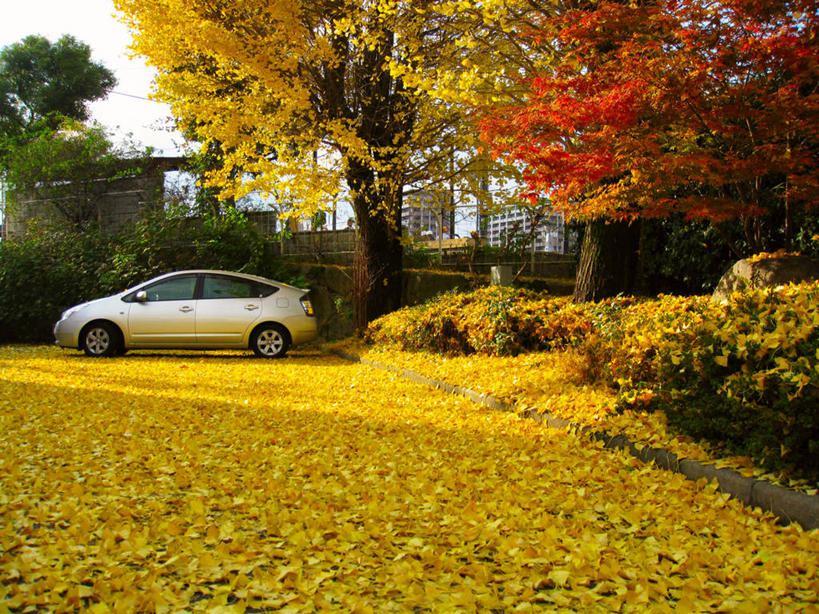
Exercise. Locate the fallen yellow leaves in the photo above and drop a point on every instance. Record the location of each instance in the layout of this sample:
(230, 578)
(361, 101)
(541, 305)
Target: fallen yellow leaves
(740, 375)
(222, 483)
(554, 382)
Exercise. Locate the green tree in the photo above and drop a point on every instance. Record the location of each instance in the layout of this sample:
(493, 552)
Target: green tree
(44, 81)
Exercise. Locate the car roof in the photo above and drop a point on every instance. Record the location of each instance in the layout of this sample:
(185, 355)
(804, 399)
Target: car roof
(220, 272)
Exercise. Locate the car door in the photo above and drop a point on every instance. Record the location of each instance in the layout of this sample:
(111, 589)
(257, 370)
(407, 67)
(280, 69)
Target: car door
(227, 308)
(167, 315)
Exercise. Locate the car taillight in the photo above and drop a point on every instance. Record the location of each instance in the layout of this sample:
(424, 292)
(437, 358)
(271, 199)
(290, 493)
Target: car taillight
(307, 306)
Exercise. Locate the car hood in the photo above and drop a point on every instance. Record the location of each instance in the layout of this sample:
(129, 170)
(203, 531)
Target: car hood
(92, 302)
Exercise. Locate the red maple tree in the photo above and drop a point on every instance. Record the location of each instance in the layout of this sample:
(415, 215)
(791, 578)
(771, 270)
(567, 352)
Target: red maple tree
(710, 108)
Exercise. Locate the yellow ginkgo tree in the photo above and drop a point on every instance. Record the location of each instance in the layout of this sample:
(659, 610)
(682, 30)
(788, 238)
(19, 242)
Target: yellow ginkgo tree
(312, 98)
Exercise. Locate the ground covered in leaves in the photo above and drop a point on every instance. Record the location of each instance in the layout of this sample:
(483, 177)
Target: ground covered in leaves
(219, 482)
(554, 382)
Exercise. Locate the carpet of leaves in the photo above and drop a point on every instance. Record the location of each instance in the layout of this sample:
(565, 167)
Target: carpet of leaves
(554, 382)
(737, 380)
(222, 483)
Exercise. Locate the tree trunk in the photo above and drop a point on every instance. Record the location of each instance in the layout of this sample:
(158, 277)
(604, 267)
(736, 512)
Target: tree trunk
(378, 251)
(385, 120)
(609, 260)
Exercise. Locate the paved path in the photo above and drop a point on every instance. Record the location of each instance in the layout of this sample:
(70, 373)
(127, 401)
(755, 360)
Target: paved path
(226, 483)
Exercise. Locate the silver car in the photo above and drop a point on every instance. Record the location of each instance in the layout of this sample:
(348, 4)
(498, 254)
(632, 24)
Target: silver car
(192, 310)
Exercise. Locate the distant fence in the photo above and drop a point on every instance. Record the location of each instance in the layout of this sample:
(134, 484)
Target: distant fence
(338, 247)
(335, 246)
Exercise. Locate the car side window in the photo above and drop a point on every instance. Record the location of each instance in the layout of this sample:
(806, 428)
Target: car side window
(174, 289)
(226, 287)
(264, 289)
(231, 287)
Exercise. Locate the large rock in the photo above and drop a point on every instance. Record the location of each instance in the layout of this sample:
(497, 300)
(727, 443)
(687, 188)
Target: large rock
(750, 274)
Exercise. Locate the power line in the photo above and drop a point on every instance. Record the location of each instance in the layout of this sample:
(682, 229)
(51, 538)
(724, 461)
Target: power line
(134, 96)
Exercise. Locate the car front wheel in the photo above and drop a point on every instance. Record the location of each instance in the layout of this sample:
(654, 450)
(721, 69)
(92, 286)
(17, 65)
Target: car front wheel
(100, 339)
(270, 341)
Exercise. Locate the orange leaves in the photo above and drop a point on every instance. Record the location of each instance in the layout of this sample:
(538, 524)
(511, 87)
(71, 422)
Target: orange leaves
(706, 113)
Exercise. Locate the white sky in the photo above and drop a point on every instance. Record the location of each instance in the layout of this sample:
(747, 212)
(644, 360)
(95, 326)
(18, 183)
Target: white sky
(93, 22)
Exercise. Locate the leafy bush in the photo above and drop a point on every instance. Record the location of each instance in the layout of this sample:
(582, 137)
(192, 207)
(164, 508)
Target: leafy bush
(750, 379)
(45, 273)
(174, 238)
(493, 320)
(629, 335)
(418, 257)
(743, 374)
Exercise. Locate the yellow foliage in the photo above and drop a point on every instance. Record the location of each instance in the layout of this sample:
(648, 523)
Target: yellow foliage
(302, 97)
(491, 320)
(748, 365)
(554, 382)
(216, 482)
(780, 253)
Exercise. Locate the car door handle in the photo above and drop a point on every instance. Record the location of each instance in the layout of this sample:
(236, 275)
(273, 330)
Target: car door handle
(186, 309)
(251, 307)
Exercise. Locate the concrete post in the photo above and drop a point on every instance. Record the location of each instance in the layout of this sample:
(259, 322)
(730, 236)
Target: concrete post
(502, 275)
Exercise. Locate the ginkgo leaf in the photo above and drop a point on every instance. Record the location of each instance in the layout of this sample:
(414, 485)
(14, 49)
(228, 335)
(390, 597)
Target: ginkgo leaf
(559, 576)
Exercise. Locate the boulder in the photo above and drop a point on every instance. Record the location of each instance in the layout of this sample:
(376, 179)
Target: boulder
(753, 273)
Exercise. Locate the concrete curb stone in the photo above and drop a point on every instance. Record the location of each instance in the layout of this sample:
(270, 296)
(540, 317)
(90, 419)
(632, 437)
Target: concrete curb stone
(787, 505)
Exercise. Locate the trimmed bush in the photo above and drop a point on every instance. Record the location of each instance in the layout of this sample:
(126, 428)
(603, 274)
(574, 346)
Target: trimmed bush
(493, 320)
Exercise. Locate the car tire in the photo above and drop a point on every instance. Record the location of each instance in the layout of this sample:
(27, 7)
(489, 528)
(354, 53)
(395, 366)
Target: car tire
(270, 341)
(101, 339)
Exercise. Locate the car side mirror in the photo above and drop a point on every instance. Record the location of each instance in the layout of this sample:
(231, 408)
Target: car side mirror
(141, 296)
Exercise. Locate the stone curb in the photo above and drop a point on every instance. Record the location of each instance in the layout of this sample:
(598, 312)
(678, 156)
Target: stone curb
(787, 505)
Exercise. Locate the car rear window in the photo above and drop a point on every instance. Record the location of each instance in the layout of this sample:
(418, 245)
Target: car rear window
(217, 286)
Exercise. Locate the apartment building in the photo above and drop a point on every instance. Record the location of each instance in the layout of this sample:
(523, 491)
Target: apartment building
(420, 213)
(550, 234)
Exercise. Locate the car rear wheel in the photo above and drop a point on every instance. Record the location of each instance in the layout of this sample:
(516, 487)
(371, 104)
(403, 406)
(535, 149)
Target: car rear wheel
(100, 339)
(270, 341)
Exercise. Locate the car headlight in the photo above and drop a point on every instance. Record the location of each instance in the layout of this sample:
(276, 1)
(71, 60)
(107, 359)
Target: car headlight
(70, 312)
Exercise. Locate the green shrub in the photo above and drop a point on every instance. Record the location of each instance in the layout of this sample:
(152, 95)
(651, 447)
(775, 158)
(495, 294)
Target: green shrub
(417, 256)
(174, 239)
(43, 274)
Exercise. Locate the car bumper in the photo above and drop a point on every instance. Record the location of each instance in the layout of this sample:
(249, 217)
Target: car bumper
(67, 333)
(304, 333)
